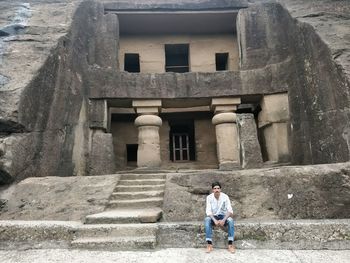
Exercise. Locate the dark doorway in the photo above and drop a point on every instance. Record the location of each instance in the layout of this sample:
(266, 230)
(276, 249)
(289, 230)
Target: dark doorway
(182, 141)
(221, 60)
(131, 153)
(132, 62)
(176, 58)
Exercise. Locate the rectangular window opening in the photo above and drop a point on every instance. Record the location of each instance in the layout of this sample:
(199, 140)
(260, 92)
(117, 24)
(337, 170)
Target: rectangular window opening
(176, 58)
(132, 62)
(221, 60)
(131, 152)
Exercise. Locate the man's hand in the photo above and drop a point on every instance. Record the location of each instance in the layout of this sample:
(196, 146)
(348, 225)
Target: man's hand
(216, 222)
(221, 223)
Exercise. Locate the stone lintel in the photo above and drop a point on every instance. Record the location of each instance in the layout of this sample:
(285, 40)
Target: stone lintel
(186, 109)
(147, 106)
(146, 103)
(122, 110)
(225, 104)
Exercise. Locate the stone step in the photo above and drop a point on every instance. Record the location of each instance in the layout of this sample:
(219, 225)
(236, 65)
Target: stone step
(136, 195)
(125, 216)
(141, 182)
(138, 188)
(115, 243)
(142, 176)
(116, 230)
(136, 203)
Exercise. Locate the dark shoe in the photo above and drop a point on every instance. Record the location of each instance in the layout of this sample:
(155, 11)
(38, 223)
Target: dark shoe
(231, 249)
(209, 248)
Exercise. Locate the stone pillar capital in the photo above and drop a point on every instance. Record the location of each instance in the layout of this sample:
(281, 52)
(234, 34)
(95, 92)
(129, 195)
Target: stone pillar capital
(225, 104)
(148, 120)
(224, 117)
(147, 106)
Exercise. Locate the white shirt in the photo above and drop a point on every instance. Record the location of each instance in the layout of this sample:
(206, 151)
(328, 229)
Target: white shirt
(218, 206)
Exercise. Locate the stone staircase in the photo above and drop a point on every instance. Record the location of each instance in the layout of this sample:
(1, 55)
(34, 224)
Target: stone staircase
(127, 220)
(116, 237)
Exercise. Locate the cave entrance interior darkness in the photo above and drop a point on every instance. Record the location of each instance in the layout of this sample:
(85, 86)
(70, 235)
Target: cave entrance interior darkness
(132, 62)
(131, 153)
(176, 58)
(221, 60)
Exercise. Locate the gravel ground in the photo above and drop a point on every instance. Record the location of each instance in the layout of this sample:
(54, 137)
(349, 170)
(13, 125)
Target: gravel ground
(175, 255)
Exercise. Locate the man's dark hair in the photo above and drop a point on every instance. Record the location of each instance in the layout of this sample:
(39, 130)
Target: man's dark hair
(215, 184)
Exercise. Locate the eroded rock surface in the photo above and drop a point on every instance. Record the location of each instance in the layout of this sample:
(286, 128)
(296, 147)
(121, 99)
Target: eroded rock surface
(331, 20)
(47, 101)
(318, 192)
(56, 198)
(33, 28)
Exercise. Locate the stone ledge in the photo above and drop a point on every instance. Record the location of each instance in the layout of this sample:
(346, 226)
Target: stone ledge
(279, 234)
(37, 234)
(107, 83)
(172, 6)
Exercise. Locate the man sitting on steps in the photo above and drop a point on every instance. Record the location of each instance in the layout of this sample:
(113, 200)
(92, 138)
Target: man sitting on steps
(219, 213)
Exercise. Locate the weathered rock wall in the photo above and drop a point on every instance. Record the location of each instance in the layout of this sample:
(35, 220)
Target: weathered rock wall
(320, 105)
(24, 48)
(318, 192)
(319, 97)
(29, 31)
(330, 20)
(53, 108)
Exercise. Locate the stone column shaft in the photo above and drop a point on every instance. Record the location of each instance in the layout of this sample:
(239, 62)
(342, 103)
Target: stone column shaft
(148, 152)
(226, 132)
(148, 123)
(226, 140)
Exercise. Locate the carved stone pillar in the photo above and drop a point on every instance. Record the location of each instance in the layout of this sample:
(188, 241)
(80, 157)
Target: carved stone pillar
(102, 157)
(226, 132)
(273, 125)
(148, 123)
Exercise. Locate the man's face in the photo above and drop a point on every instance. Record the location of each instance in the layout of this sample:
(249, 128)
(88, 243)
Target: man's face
(216, 190)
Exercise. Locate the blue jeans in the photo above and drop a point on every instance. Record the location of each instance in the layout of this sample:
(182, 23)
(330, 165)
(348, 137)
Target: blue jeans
(208, 222)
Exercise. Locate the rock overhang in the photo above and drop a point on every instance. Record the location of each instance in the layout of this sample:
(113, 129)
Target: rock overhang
(195, 17)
